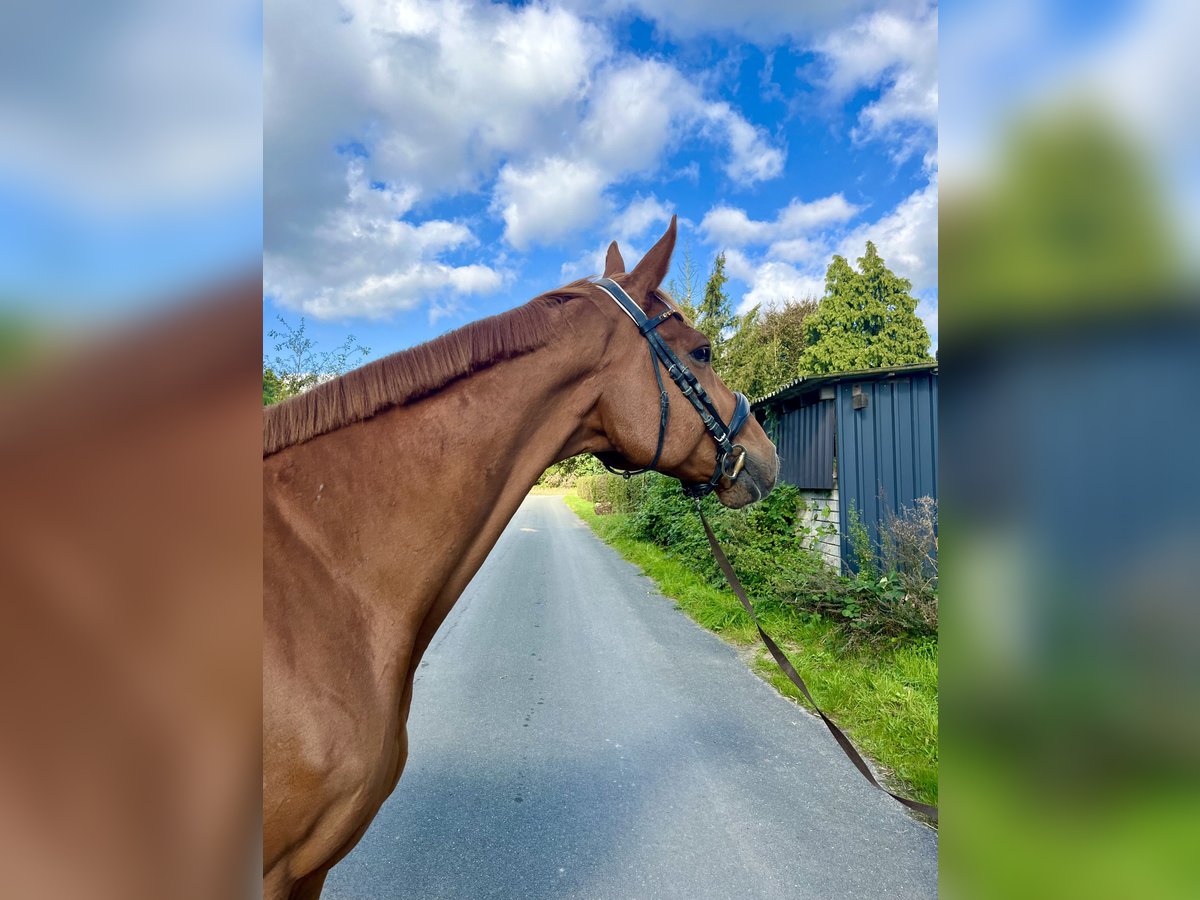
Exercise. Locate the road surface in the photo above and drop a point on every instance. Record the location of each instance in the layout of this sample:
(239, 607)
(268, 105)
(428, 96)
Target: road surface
(574, 735)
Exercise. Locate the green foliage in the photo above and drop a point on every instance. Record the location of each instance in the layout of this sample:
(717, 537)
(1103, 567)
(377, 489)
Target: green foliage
(1073, 224)
(273, 388)
(20, 342)
(862, 552)
(621, 494)
(766, 348)
(298, 364)
(756, 539)
(866, 319)
(892, 592)
(568, 471)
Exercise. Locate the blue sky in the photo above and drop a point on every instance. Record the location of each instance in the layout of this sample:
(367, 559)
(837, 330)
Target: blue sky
(405, 167)
(429, 164)
(131, 153)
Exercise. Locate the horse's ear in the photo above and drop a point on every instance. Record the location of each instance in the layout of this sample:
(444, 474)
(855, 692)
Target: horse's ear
(613, 263)
(650, 272)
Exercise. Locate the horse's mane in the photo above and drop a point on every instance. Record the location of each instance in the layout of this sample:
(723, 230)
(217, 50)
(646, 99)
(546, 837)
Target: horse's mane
(411, 374)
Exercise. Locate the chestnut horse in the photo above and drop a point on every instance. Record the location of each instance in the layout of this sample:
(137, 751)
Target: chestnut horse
(385, 489)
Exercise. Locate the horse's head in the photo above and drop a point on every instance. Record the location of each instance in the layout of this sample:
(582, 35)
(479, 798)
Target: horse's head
(629, 410)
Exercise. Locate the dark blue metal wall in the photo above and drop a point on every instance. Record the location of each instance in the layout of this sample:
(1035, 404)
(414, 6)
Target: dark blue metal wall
(887, 451)
(804, 440)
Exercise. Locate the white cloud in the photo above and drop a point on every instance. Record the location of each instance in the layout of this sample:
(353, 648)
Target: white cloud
(439, 95)
(639, 216)
(630, 114)
(529, 105)
(907, 238)
(771, 282)
(635, 112)
(639, 108)
(366, 260)
(774, 283)
(139, 108)
(730, 227)
(548, 199)
(798, 216)
(432, 99)
(752, 158)
(797, 250)
(896, 52)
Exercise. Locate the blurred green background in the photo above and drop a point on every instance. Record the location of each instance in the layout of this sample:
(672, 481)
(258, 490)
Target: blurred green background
(1071, 354)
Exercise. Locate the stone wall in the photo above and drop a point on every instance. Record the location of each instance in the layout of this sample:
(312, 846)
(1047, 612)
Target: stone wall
(821, 516)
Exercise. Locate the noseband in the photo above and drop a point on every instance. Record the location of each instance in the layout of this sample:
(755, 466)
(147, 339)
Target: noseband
(730, 456)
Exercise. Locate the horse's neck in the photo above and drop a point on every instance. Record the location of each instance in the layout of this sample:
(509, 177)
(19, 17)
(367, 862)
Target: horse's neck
(406, 506)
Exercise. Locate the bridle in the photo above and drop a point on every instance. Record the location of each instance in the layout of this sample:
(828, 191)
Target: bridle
(730, 456)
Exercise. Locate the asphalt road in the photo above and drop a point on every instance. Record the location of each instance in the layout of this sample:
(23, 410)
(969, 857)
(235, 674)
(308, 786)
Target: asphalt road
(574, 735)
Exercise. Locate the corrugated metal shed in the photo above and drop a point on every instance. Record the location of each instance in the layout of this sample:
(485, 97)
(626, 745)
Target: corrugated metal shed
(882, 426)
(804, 440)
(887, 448)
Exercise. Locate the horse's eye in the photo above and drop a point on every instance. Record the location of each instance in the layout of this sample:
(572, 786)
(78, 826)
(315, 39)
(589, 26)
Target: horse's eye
(702, 354)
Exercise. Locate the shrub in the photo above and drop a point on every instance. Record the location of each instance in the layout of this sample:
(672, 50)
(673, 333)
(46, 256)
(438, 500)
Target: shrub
(622, 494)
(585, 487)
(758, 540)
(908, 544)
(892, 593)
(863, 559)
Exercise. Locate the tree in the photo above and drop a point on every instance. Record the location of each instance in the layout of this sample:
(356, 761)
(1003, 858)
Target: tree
(1071, 225)
(766, 348)
(715, 316)
(273, 389)
(298, 364)
(866, 319)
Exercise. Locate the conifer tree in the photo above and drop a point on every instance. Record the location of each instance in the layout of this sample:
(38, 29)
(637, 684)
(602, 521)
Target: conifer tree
(715, 313)
(866, 319)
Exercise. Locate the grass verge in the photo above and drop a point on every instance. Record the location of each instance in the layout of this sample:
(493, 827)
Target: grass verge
(886, 699)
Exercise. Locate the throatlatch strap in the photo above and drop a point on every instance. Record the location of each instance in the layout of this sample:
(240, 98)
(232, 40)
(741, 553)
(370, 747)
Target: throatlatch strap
(664, 408)
(790, 671)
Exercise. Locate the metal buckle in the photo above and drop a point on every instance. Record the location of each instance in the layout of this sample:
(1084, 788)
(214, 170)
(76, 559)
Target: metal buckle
(738, 462)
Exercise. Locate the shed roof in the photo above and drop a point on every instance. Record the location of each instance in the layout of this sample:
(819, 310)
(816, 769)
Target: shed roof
(810, 382)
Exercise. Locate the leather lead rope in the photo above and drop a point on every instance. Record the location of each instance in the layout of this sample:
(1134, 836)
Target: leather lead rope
(790, 671)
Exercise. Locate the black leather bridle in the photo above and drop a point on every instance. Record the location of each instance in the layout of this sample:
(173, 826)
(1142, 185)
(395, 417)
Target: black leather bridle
(730, 456)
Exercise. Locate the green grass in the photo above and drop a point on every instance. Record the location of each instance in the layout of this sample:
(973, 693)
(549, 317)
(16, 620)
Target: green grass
(886, 698)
